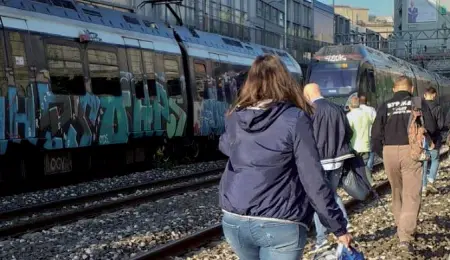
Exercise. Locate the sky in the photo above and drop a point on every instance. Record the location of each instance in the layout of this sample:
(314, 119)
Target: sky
(376, 7)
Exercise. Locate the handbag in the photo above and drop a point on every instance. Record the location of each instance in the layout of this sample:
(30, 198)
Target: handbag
(354, 180)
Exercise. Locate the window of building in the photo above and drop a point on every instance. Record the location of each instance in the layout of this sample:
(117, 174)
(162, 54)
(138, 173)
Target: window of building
(66, 70)
(237, 4)
(273, 15)
(280, 19)
(20, 62)
(104, 72)
(200, 79)
(171, 68)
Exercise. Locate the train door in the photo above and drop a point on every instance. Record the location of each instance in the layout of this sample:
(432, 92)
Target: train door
(18, 95)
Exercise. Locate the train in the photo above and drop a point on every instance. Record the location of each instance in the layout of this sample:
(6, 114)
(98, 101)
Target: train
(87, 87)
(343, 71)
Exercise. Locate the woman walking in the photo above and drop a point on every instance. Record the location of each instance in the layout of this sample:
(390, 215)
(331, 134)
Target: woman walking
(274, 181)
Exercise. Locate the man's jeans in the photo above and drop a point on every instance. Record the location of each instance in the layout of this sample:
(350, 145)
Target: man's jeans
(333, 178)
(430, 173)
(371, 161)
(254, 239)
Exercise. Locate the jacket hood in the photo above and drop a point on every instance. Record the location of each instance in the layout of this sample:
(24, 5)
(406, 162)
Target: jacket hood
(257, 119)
(432, 104)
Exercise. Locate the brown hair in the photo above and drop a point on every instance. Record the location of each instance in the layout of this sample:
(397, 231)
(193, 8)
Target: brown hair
(268, 78)
(431, 91)
(402, 82)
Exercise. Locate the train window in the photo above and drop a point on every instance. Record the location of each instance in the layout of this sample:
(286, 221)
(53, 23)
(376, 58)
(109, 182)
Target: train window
(66, 70)
(200, 79)
(171, 70)
(149, 69)
(131, 20)
(19, 61)
(149, 66)
(135, 61)
(64, 4)
(104, 72)
(135, 64)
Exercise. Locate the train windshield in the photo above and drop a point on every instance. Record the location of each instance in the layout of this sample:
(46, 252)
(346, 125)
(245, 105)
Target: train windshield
(334, 79)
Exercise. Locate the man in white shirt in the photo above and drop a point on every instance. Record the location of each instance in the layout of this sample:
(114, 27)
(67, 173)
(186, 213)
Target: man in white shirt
(360, 122)
(373, 113)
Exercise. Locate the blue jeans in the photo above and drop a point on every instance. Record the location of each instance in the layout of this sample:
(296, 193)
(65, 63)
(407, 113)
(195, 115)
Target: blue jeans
(430, 173)
(333, 177)
(254, 239)
(370, 161)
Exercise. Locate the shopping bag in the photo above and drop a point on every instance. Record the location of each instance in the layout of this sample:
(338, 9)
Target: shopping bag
(354, 179)
(342, 253)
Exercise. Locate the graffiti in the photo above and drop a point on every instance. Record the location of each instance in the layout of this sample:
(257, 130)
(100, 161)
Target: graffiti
(90, 36)
(62, 121)
(209, 115)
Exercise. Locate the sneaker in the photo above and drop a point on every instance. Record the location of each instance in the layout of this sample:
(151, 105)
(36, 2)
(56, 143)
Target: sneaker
(406, 247)
(431, 187)
(321, 247)
(424, 191)
(349, 227)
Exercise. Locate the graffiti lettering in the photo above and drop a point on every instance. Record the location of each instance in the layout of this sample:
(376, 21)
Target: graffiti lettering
(62, 121)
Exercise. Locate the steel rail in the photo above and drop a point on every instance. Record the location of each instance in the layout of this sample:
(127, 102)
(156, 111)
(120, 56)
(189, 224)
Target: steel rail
(180, 246)
(23, 211)
(95, 210)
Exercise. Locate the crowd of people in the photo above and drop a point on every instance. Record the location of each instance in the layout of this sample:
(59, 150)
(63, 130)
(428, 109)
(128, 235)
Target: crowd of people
(288, 147)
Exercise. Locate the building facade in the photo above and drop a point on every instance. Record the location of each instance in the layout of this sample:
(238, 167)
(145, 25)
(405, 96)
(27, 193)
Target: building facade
(421, 31)
(257, 21)
(354, 14)
(323, 22)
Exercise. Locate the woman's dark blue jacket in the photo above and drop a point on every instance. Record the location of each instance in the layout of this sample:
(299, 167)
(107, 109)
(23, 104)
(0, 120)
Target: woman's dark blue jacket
(274, 169)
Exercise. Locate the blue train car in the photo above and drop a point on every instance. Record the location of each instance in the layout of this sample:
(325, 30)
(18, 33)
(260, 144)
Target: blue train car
(344, 71)
(85, 86)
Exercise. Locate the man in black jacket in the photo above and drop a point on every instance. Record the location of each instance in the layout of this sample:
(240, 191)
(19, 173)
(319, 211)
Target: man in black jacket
(429, 175)
(390, 141)
(332, 133)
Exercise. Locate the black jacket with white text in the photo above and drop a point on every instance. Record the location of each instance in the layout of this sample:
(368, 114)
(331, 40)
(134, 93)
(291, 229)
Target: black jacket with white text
(391, 123)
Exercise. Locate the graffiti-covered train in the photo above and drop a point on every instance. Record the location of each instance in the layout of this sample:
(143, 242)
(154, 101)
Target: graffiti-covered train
(344, 71)
(84, 86)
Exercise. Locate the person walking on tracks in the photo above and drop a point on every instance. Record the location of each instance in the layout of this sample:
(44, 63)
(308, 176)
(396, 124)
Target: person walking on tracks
(360, 123)
(273, 181)
(332, 133)
(430, 169)
(373, 113)
(391, 142)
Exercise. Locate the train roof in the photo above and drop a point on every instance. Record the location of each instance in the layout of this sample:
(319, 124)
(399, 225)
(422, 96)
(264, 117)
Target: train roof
(359, 52)
(72, 18)
(209, 45)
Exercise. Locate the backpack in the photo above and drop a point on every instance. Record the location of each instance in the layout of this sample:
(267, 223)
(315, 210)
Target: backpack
(419, 139)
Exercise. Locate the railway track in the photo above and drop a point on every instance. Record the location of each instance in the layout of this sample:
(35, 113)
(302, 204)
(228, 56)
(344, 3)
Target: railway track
(203, 237)
(160, 189)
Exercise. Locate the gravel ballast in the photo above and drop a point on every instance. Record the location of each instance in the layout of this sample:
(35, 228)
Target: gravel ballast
(43, 196)
(121, 234)
(373, 229)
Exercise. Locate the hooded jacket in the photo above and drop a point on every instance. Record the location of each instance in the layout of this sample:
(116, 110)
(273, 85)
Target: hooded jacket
(274, 170)
(438, 116)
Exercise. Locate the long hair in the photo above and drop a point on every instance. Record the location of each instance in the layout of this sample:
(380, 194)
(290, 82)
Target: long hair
(269, 79)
